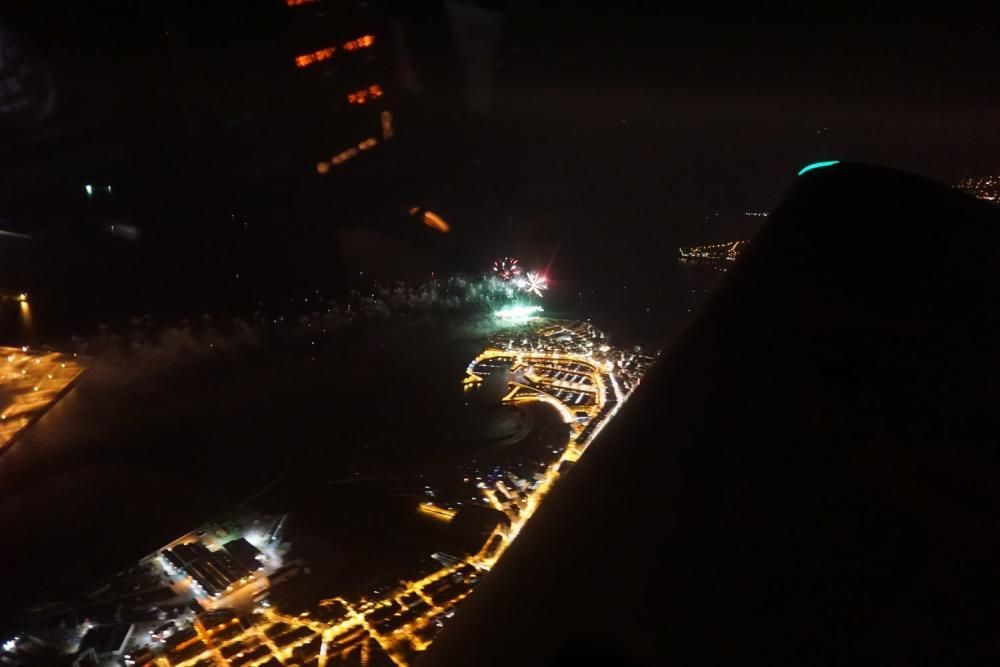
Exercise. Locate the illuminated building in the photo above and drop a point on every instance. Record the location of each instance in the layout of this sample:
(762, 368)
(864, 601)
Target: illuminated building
(30, 383)
(986, 188)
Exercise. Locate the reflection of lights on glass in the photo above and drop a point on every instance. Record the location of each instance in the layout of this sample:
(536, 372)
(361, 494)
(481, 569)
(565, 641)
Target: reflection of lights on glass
(435, 222)
(372, 92)
(387, 130)
(319, 55)
(362, 42)
(25, 317)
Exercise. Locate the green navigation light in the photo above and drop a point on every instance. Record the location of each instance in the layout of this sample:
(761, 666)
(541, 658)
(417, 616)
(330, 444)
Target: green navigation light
(818, 165)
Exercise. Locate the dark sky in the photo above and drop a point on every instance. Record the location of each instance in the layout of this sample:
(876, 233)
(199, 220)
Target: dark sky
(914, 91)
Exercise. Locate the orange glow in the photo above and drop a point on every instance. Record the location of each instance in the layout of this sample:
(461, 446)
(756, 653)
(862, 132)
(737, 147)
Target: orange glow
(322, 167)
(372, 92)
(362, 42)
(296, 3)
(435, 222)
(307, 59)
(440, 513)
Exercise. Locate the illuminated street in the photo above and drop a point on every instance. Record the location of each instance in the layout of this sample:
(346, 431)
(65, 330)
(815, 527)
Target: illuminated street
(217, 583)
(30, 384)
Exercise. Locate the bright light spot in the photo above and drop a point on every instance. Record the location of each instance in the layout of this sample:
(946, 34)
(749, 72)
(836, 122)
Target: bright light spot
(436, 222)
(534, 283)
(818, 165)
(89, 188)
(516, 314)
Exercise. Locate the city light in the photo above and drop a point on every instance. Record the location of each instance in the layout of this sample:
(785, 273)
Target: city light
(561, 364)
(817, 165)
(986, 188)
(440, 513)
(728, 251)
(34, 381)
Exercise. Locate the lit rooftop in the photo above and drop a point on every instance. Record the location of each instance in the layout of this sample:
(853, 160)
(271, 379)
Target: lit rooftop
(30, 383)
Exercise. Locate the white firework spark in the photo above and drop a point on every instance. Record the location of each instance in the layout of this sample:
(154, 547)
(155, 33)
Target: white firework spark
(534, 283)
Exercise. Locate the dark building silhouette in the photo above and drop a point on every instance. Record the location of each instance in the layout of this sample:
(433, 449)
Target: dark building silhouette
(808, 477)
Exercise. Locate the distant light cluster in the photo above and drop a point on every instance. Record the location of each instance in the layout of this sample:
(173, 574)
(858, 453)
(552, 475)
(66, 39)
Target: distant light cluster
(986, 188)
(727, 251)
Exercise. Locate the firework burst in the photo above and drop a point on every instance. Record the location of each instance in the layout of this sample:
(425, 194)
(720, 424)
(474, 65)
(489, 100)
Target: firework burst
(534, 283)
(506, 268)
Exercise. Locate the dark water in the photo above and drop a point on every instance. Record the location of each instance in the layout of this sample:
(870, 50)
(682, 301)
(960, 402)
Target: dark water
(186, 411)
(197, 399)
